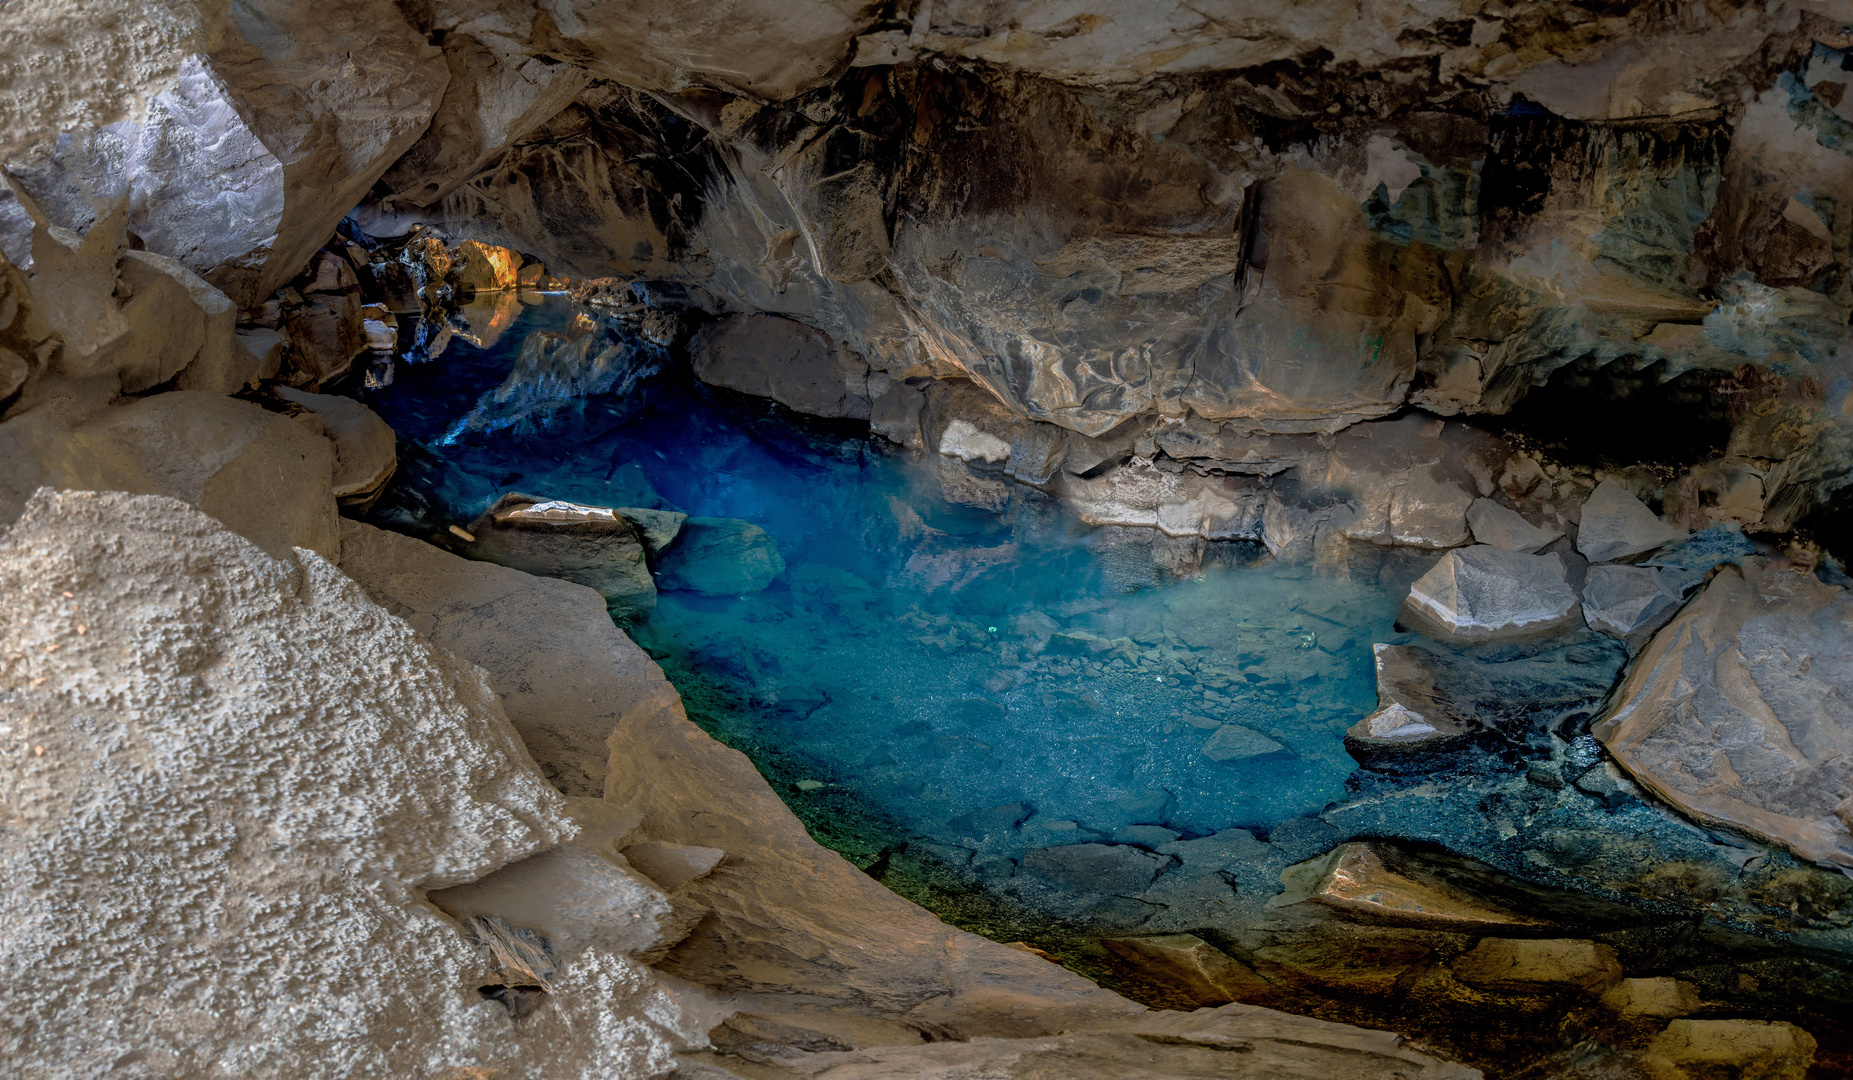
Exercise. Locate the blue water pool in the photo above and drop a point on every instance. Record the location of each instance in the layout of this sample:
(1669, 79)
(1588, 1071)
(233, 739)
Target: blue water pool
(1000, 680)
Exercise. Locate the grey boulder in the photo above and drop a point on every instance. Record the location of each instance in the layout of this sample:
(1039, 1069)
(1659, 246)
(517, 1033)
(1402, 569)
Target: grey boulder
(1616, 525)
(1506, 528)
(366, 450)
(1484, 593)
(1628, 602)
(1231, 742)
(772, 356)
(721, 557)
(591, 545)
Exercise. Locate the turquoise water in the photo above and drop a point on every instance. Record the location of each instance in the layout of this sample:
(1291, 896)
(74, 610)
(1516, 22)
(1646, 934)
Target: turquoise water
(1002, 680)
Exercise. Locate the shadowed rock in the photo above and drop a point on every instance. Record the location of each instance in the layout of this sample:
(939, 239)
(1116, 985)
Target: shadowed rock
(591, 545)
(1503, 528)
(1616, 525)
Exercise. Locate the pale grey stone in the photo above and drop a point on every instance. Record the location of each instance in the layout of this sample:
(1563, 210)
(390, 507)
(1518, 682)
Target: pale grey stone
(1506, 528)
(366, 450)
(1628, 602)
(1616, 525)
(1484, 593)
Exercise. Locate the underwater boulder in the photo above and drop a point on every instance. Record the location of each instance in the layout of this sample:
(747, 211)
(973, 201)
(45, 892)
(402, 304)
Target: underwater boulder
(721, 557)
(592, 546)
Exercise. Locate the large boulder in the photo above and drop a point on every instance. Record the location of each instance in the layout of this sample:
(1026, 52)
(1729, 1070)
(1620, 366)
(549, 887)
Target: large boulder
(785, 360)
(1733, 712)
(244, 145)
(721, 557)
(1617, 525)
(366, 450)
(591, 545)
(1484, 593)
(1628, 602)
(207, 900)
(1506, 528)
(267, 476)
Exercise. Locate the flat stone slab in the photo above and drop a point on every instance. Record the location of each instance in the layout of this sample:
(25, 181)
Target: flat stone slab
(1484, 593)
(1736, 712)
(592, 546)
(1616, 525)
(1232, 742)
(1503, 527)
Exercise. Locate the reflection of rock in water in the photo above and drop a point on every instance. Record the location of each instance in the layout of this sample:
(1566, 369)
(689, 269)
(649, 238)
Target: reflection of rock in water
(556, 371)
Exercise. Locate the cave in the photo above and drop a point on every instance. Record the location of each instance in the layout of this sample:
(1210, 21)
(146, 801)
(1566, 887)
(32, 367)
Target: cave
(923, 538)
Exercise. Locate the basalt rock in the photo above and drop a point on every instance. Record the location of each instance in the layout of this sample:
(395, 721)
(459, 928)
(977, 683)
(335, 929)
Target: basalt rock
(1731, 712)
(1484, 593)
(589, 545)
(721, 557)
(365, 447)
(783, 360)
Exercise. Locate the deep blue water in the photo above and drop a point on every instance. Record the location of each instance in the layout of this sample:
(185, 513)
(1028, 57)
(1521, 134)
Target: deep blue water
(913, 655)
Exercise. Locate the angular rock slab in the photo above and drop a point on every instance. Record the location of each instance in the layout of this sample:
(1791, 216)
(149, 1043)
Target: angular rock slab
(1628, 602)
(772, 356)
(1484, 593)
(1616, 525)
(1506, 528)
(366, 449)
(1534, 965)
(590, 545)
(1702, 1049)
(1432, 703)
(1736, 712)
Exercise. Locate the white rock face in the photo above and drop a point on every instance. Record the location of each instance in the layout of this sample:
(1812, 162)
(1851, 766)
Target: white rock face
(227, 779)
(1481, 593)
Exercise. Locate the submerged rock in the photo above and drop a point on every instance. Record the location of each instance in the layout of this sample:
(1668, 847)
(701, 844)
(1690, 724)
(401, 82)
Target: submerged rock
(1616, 525)
(1718, 1049)
(1531, 965)
(590, 545)
(1484, 593)
(721, 557)
(1233, 741)
(1734, 712)
(1186, 964)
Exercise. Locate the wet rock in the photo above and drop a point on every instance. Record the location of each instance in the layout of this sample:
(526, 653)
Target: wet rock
(1660, 997)
(721, 557)
(1232, 742)
(1628, 602)
(1533, 965)
(1095, 869)
(1728, 1049)
(1176, 504)
(1186, 964)
(1731, 712)
(784, 360)
(1484, 593)
(1503, 528)
(1434, 704)
(1370, 966)
(657, 528)
(265, 476)
(484, 268)
(1616, 525)
(1383, 885)
(366, 450)
(590, 545)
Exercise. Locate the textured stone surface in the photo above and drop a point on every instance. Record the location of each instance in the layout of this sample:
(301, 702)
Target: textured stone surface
(1484, 593)
(1616, 525)
(1378, 884)
(1660, 996)
(784, 360)
(266, 476)
(1531, 965)
(1707, 1049)
(588, 545)
(1628, 602)
(366, 450)
(1506, 528)
(1733, 712)
(1185, 962)
(280, 932)
(721, 557)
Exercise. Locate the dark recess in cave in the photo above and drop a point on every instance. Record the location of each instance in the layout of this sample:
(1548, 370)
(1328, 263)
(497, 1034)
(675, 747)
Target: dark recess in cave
(1615, 415)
